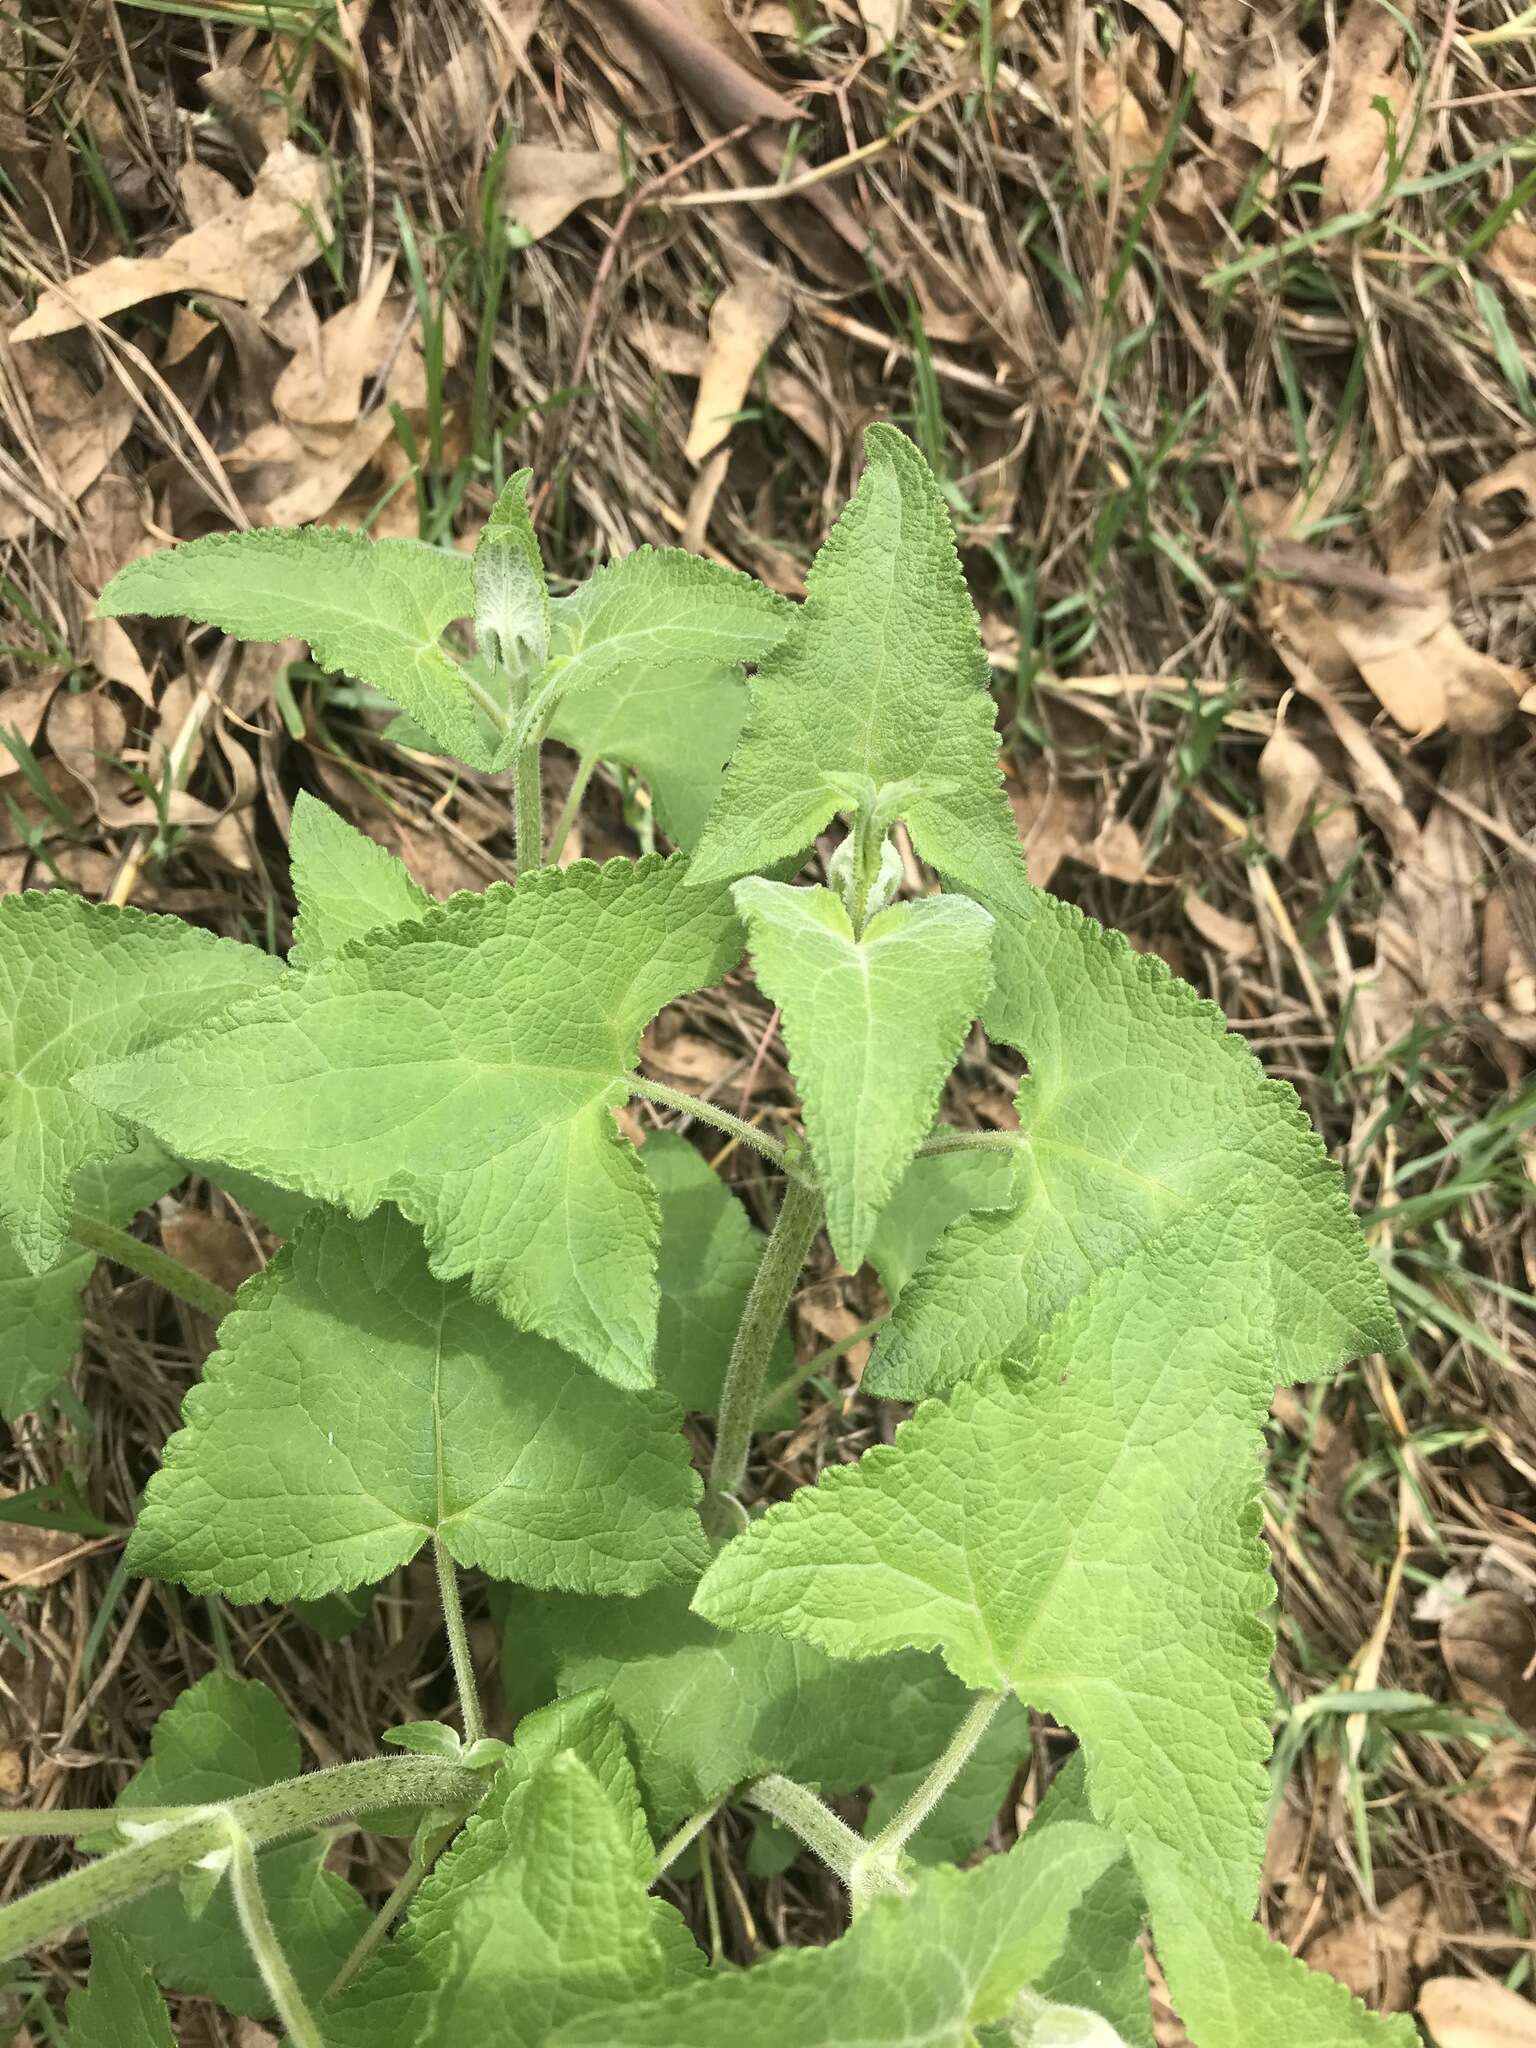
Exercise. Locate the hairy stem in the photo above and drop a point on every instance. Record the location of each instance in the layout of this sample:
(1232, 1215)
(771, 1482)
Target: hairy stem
(675, 1844)
(797, 1808)
(569, 809)
(424, 1853)
(711, 1113)
(528, 807)
(194, 1831)
(458, 1643)
(126, 1250)
(898, 1831)
(971, 1141)
(767, 1305)
(261, 1938)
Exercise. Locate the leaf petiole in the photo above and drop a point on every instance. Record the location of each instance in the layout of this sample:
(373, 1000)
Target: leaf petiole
(797, 1808)
(722, 1120)
(458, 1643)
(148, 1260)
(971, 1141)
(898, 1831)
(261, 1938)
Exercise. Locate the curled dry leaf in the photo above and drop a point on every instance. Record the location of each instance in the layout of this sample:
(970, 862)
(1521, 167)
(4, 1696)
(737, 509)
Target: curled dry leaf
(1377, 1953)
(21, 712)
(213, 1246)
(542, 185)
(76, 432)
(323, 385)
(1489, 1645)
(1234, 936)
(743, 324)
(1289, 774)
(247, 250)
(1426, 931)
(1465, 2012)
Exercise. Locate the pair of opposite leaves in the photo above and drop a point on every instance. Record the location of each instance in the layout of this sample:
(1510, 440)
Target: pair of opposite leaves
(536, 1926)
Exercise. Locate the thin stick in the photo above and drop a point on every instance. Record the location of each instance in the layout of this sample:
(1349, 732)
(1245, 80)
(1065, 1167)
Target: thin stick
(458, 1642)
(675, 1844)
(261, 1937)
(571, 806)
(792, 1382)
(712, 1113)
(126, 1250)
(424, 1853)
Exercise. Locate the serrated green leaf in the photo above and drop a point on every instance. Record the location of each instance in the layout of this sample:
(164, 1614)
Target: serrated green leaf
(82, 984)
(675, 727)
(225, 1736)
(660, 608)
(465, 1067)
(375, 609)
(40, 1312)
(932, 1194)
(537, 1913)
(356, 1408)
(346, 883)
(118, 2007)
(1101, 1964)
(1139, 1106)
(708, 1260)
(705, 1711)
(916, 1972)
(511, 597)
(874, 1024)
(1071, 1533)
(878, 693)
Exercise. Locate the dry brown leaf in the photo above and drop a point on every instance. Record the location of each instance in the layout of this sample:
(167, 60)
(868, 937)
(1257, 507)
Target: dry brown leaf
(1289, 775)
(34, 1557)
(323, 385)
(1427, 927)
(883, 18)
(21, 711)
(1512, 252)
(214, 1246)
(743, 324)
(247, 251)
(709, 57)
(1376, 1954)
(1465, 2012)
(542, 185)
(77, 430)
(458, 107)
(87, 733)
(1116, 853)
(1050, 822)
(1367, 61)
(1489, 1645)
(1234, 936)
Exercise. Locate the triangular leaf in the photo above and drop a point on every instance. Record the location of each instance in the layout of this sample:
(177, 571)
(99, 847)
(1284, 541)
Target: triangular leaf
(675, 726)
(356, 1408)
(81, 984)
(40, 1312)
(874, 1024)
(511, 597)
(539, 1912)
(916, 1972)
(223, 1737)
(1072, 1533)
(465, 1067)
(119, 2006)
(705, 1711)
(877, 696)
(708, 1260)
(346, 883)
(375, 609)
(1139, 1106)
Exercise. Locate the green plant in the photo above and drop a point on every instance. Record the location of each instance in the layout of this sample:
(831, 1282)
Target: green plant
(458, 1347)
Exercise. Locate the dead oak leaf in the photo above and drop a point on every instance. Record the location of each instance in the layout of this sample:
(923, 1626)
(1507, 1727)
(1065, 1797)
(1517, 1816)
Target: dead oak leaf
(542, 185)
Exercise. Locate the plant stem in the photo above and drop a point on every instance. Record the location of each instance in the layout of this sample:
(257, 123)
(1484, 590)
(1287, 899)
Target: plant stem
(568, 810)
(711, 1113)
(971, 1141)
(528, 808)
(894, 1836)
(266, 1816)
(458, 1643)
(126, 1250)
(424, 1853)
(674, 1845)
(797, 1808)
(792, 1382)
(767, 1305)
(261, 1937)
